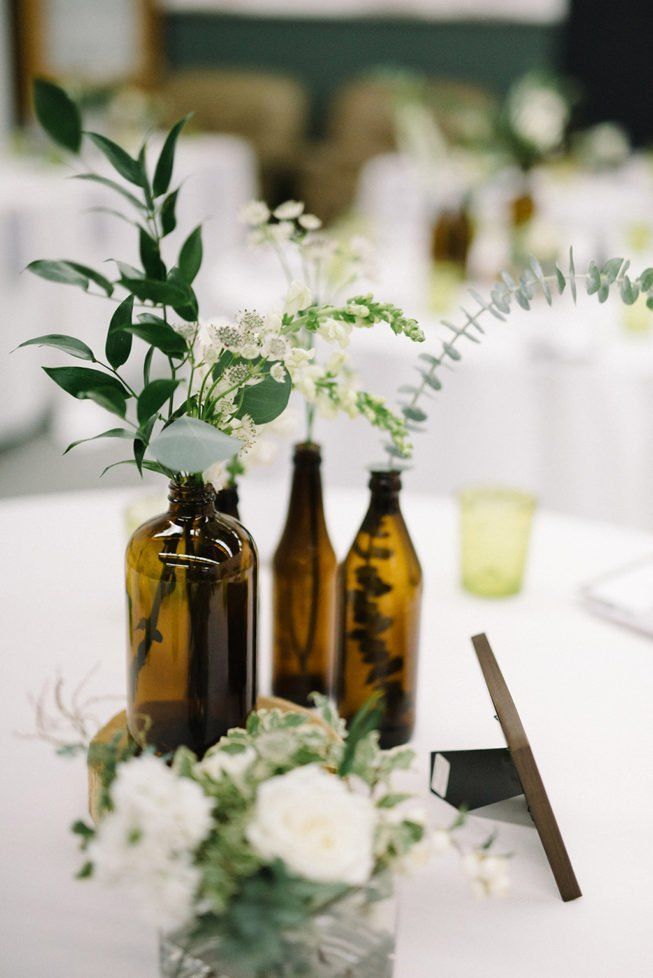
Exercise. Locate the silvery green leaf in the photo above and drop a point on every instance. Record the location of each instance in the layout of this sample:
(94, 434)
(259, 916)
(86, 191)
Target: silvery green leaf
(430, 359)
(649, 302)
(413, 413)
(509, 280)
(483, 304)
(562, 281)
(539, 275)
(572, 274)
(407, 389)
(612, 268)
(190, 445)
(593, 278)
(604, 292)
(646, 279)
(471, 320)
(629, 291)
(451, 326)
(526, 284)
(451, 351)
(522, 299)
(500, 299)
(431, 380)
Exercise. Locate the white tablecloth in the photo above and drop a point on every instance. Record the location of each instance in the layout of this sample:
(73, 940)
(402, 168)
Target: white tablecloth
(583, 688)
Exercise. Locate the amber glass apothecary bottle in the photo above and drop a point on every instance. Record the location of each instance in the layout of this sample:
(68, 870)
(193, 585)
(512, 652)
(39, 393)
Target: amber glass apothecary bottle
(380, 604)
(304, 588)
(191, 577)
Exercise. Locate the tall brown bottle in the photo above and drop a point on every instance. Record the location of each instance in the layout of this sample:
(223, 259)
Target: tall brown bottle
(191, 578)
(381, 596)
(304, 588)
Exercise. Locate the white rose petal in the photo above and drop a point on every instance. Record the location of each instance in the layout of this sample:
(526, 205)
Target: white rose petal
(289, 211)
(321, 830)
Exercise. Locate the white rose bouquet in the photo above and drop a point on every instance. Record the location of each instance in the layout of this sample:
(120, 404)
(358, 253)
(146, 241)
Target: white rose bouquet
(245, 851)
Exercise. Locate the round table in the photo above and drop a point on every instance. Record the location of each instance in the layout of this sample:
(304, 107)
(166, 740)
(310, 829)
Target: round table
(583, 688)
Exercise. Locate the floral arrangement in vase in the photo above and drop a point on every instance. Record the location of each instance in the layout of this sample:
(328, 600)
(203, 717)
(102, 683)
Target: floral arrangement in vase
(190, 395)
(275, 853)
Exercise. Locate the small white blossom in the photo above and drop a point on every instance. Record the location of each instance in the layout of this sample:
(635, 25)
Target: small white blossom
(278, 372)
(282, 232)
(310, 820)
(254, 213)
(290, 210)
(310, 222)
(298, 298)
(336, 331)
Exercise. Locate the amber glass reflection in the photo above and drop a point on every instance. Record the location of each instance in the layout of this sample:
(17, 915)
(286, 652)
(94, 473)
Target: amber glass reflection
(452, 238)
(226, 501)
(191, 595)
(304, 588)
(381, 596)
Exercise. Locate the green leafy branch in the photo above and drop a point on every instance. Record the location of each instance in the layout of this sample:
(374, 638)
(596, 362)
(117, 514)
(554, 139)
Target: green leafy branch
(504, 295)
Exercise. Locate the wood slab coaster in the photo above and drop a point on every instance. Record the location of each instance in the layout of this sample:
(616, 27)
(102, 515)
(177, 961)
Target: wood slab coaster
(522, 756)
(118, 725)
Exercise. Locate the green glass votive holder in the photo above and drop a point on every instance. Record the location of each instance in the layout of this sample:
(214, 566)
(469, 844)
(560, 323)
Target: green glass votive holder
(495, 529)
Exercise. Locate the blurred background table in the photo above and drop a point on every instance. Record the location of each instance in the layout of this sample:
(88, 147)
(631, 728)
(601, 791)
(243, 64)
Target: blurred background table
(582, 686)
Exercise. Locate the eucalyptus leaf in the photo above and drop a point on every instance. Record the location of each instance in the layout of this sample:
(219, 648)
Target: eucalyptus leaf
(572, 275)
(431, 381)
(87, 383)
(120, 160)
(57, 114)
(168, 213)
(190, 256)
(67, 344)
(112, 185)
(58, 271)
(561, 280)
(611, 269)
(413, 413)
(119, 342)
(190, 445)
(629, 291)
(162, 336)
(111, 433)
(646, 279)
(150, 255)
(265, 401)
(149, 289)
(153, 397)
(164, 166)
(451, 351)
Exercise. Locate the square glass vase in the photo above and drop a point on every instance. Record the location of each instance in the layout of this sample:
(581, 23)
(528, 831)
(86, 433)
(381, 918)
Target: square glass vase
(352, 938)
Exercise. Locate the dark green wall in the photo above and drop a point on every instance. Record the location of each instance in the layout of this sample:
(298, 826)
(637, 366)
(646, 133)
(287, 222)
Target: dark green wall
(323, 53)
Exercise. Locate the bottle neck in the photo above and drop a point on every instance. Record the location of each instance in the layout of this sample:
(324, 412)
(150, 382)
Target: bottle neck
(385, 487)
(306, 493)
(189, 501)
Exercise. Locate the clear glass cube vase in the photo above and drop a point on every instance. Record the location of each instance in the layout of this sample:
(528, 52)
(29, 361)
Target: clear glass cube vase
(353, 938)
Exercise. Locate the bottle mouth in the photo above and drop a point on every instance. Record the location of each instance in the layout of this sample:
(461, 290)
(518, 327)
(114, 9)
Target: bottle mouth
(388, 480)
(190, 492)
(308, 450)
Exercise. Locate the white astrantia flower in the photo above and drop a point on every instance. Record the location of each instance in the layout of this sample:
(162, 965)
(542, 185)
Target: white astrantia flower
(254, 213)
(217, 762)
(290, 210)
(539, 115)
(312, 822)
(207, 345)
(278, 372)
(310, 222)
(298, 298)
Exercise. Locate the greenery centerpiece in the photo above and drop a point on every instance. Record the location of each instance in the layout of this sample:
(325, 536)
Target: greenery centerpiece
(272, 856)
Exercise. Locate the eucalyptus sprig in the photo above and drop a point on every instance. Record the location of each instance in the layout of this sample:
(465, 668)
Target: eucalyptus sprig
(193, 404)
(601, 281)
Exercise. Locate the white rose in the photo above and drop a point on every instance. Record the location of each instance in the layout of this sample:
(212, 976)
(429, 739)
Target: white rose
(254, 213)
(311, 821)
(216, 475)
(289, 210)
(217, 762)
(298, 298)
